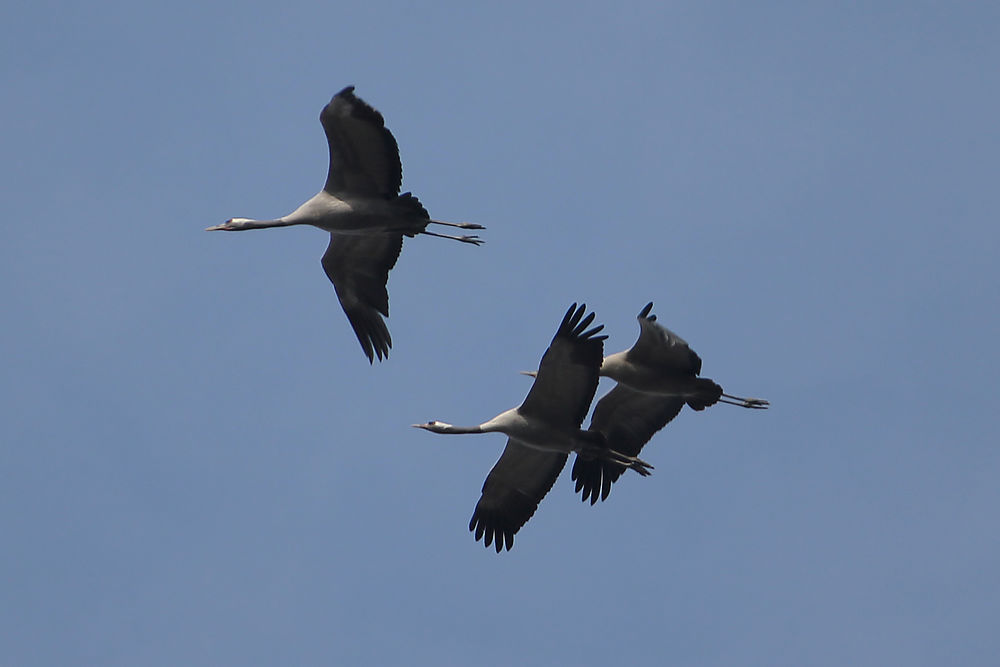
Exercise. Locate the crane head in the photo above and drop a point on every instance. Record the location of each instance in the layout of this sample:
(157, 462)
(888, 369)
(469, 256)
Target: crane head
(433, 426)
(231, 225)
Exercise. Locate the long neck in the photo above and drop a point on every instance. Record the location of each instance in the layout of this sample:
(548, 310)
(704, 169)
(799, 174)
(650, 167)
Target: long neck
(250, 223)
(502, 423)
(460, 429)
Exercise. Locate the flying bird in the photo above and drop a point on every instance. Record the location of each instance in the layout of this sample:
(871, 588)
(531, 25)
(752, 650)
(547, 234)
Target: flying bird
(542, 431)
(661, 362)
(656, 377)
(367, 218)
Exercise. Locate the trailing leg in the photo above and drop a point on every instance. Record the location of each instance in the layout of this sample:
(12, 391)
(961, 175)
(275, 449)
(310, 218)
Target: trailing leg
(460, 225)
(474, 240)
(752, 403)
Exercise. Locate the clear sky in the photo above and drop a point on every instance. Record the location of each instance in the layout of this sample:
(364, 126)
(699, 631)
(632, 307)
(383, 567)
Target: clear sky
(201, 468)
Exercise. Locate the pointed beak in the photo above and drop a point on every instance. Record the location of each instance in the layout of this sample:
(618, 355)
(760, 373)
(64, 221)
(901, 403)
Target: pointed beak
(216, 228)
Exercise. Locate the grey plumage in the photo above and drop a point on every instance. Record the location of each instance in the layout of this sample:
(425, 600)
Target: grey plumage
(360, 206)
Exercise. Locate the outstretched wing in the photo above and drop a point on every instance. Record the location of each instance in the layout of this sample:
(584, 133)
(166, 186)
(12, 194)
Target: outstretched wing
(568, 373)
(516, 484)
(659, 347)
(627, 419)
(358, 267)
(364, 157)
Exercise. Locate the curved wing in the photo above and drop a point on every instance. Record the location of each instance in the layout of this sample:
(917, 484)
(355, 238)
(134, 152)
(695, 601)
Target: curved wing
(658, 346)
(358, 267)
(364, 157)
(511, 493)
(627, 419)
(568, 373)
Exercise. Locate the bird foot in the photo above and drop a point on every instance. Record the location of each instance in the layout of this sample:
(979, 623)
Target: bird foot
(474, 240)
(632, 462)
(641, 467)
(752, 403)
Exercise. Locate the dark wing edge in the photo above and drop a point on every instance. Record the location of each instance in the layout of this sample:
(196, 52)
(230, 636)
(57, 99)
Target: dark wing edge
(627, 419)
(358, 267)
(659, 346)
(364, 156)
(518, 482)
(569, 371)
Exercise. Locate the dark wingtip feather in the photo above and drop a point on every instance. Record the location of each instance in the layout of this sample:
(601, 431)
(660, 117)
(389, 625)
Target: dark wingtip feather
(491, 529)
(594, 477)
(589, 476)
(565, 326)
(574, 324)
(645, 311)
(372, 333)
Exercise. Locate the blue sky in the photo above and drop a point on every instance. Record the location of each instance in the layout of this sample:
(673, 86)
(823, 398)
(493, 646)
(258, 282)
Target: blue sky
(200, 467)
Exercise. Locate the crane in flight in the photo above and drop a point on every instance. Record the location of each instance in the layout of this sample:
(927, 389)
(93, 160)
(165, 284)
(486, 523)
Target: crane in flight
(360, 206)
(656, 377)
(542, 431)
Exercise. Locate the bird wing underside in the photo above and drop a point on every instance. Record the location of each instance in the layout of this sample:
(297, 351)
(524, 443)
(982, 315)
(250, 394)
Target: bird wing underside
(358, 267)
(659, 347)
(628, 419)
(364, 157)
(568, 373)
(516, 484)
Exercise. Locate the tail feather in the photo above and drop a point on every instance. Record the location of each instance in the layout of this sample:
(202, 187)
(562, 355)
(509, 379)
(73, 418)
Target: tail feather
(706, 393)
(412, 205)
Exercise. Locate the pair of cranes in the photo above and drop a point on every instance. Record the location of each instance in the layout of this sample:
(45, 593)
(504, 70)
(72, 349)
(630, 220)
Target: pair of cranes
(656, 377)
(360, 206)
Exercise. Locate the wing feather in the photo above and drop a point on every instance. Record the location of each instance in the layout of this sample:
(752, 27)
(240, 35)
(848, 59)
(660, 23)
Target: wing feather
(659, 347)
(568, 373)
(516, 484)
(358, 267)
(364, 156)
(628, 419)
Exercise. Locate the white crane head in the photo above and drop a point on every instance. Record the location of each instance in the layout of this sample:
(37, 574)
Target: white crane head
(434, 426)
(231, 225)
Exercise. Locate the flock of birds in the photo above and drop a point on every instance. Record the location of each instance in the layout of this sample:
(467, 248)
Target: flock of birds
(360, 206)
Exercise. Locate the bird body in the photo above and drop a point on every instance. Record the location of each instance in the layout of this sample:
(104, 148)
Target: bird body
(662, 363)
(366, 217)
(361, 215)
(661, 380)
